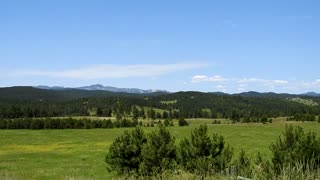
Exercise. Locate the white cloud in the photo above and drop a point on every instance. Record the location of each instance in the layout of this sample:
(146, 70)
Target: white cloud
(241, 89)
(221, 87)
(204, 78)
(243, 85)
(242, 82)
(105, 71)
(262, 81)
(233, 84)
(279, 82)
(316, 82)
(250, 80)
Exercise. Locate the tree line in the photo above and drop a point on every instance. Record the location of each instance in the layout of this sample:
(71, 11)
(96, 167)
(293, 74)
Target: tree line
(63, 123)
(82, 123)
(304, 117)
(136, 153)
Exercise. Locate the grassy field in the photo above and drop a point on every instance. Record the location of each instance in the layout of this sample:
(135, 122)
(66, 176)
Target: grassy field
(79, 154)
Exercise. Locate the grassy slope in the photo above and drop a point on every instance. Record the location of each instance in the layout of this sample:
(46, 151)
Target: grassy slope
(59, 154)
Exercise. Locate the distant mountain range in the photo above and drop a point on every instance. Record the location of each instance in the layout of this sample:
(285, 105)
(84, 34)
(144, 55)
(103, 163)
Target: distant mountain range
(99, 87)
(268, 94)
(313, 94)
(272, 94)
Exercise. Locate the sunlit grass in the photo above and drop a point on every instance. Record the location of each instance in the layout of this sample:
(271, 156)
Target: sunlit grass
(80, 153)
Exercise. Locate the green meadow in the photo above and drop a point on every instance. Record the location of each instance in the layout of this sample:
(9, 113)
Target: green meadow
(79, 154)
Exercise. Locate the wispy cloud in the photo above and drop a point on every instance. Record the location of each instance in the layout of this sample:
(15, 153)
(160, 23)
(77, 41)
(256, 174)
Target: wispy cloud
(204, 78)
(233, 84)
(105, 71)
(242, 81)
(266, 81)
(221, 87)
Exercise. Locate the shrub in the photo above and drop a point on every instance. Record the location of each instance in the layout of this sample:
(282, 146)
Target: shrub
(36, 124)
(302, 117)
(296, 147)
(166, 122)
(216, 122)
(159, 153)
(124, 155)
(203, 155)
(3, 123)
(262, 168)
(243, 165)
(183, 122)
(106, 124)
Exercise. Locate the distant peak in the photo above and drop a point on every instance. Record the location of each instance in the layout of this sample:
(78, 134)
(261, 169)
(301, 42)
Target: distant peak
(97, 85)
(100, 87)
(311, 94)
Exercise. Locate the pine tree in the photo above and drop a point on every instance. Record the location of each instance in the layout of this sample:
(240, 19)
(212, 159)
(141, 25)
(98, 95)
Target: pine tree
(159, 153)
(124, 155)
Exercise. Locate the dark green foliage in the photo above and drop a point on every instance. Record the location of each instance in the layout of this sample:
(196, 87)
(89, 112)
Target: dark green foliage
(151, 114)
(303, 117)
(216, 122)
(22, 102)
(124, 155)
(63, 123)
(159, 153)
(158, 115)
(36, 124)
(183, 122)
(3, 124)
(99, 111)
(106, 124)
(202, 154)
(134, 153)
(296, 146)
(264, 119)
(166, 122)
(165, 115)
(135, 113)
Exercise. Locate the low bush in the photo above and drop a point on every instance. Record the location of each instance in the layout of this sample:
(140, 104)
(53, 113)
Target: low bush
(183, 122)
(204, 155)
(296, 147)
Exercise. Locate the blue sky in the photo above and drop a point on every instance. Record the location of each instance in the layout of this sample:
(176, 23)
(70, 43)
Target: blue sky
(214, 45)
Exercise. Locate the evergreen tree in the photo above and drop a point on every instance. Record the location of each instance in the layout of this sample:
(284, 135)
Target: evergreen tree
(296, 146)
(203, 155)
(124, 155)
(165, 115)
(183, 122)
(159, 153)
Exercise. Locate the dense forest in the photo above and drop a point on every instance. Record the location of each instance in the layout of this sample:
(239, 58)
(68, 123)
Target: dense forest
(28, 102)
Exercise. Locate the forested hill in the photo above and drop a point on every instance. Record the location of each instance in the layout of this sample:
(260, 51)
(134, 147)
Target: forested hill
(26, 93)
(31, 102)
